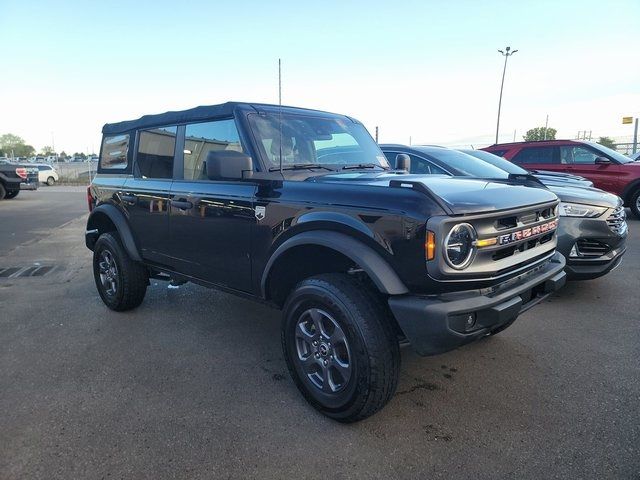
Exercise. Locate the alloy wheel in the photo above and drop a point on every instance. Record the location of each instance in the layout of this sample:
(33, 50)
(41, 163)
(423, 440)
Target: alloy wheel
(108, 271)
(323, 351)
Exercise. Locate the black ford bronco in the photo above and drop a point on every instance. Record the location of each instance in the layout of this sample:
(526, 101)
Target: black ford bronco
(299, 209)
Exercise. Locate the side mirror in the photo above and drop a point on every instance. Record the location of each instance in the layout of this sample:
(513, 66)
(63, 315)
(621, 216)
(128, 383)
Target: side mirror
(227, 164)
(403, 162)
(602, 161)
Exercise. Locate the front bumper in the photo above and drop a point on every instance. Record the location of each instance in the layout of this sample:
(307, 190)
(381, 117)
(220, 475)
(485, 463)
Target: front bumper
(438, 323)
(572, 230)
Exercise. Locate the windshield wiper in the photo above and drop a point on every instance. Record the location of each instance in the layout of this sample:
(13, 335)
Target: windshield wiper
(300, 166)
(362, 165)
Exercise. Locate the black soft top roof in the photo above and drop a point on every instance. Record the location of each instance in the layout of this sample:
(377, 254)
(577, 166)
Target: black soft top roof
(198, 114)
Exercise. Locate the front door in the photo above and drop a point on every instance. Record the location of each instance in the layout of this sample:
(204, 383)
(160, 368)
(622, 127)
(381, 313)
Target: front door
(582, 159)
(211, 221)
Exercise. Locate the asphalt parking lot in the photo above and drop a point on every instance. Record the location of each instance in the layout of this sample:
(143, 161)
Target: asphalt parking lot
(193, 384)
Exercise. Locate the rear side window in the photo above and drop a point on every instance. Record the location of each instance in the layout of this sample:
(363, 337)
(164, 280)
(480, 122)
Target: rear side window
(114, 152)
(534, 155)
(499, 153)
(156, 149)
(202, 138)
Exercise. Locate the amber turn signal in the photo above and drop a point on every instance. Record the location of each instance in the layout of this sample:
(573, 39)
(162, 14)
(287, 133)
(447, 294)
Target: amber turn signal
(430, 245)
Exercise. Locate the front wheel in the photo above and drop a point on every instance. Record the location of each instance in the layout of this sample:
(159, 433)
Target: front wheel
(11, 194)
(121, 282)
(635, 203)
(340, 347)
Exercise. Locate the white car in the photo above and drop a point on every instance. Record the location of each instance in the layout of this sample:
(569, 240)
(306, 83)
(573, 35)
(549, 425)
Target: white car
(47, 174)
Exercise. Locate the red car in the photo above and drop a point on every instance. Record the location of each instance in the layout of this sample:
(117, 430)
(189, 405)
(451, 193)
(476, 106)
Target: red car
(606, 168)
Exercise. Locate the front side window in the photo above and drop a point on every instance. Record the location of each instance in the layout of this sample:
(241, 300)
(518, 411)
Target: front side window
(114, 152)
(571, 154)
(156, 148)
(425, 167)
(534, 155)
(325, 141)
(202, 138)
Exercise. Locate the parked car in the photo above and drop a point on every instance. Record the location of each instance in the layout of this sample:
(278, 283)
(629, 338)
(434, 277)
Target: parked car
(635, 156)
(47, 174)
(15, 177)
(593, 229)
(299, 209)
(545, 176)
(607, 169)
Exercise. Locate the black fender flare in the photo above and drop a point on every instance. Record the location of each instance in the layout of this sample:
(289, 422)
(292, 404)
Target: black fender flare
(122, 226)
(378, 269)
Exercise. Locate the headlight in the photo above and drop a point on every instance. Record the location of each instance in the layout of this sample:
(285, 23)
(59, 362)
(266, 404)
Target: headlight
(459, 246)
(579, 210)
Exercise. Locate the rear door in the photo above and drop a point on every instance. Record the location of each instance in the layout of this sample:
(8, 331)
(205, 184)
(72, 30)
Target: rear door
(211, 221)
(582, 159)
(540, 158)
(145, 195)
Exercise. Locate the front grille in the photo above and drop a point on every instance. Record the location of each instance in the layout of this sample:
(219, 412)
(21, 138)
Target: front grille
(617, 221)
(521, 237)
(591, 248)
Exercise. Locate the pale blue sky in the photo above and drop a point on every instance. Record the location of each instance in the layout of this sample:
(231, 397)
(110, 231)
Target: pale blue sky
(428, 69)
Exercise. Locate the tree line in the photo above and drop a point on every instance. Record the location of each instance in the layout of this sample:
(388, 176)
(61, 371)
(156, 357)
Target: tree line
(14, 146)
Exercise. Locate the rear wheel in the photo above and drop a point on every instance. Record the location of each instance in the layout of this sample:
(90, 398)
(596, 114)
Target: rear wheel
(3, 191)
(635, 203)
(51, 181)
(340, 347)
(11, 194)
(121, 282)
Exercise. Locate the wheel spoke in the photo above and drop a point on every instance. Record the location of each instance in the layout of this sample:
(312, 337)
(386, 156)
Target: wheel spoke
(337, 338)
(326, 386)
(316, 318)
(302, 333)
(343, 369)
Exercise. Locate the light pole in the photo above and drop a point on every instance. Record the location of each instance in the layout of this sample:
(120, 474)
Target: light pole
(506, 54)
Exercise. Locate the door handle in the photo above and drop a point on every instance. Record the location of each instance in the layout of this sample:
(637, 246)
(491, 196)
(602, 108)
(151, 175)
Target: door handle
(129, 198)
(181, 204)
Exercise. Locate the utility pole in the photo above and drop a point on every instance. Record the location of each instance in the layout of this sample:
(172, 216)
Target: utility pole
(546, 125)
(376, 134)
(508, 52)
(635, 137)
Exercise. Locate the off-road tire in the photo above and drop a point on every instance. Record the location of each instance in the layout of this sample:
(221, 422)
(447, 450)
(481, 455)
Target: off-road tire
(51, 181)
(371, 337)
(634, 204)
(11, 194)
(131, 277)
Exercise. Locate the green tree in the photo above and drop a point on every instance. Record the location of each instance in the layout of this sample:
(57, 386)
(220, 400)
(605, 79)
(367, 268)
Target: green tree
(81, 155)
(607, 142)
(540, 133)
(47, 150)
(11, 144)
(63, 155)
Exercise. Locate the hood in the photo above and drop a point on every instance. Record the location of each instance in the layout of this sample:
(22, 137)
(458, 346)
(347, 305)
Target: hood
(550, 180)
(585, 196)
(461, 194)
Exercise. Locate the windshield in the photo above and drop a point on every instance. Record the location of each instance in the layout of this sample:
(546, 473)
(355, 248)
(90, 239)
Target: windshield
(618, 157)
(308, 140)
(496, 161)
(466, 164)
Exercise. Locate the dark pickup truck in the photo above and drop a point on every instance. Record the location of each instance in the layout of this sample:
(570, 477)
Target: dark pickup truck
(299, 209)
(15, 177)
